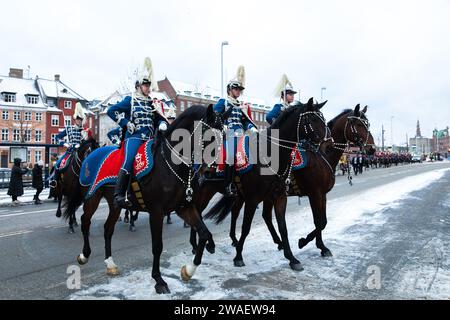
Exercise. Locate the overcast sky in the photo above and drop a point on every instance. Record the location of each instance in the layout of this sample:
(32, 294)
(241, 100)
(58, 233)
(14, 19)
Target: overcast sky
(391, 55)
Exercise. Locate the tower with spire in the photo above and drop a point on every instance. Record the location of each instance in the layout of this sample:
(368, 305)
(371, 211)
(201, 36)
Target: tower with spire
(418, 133)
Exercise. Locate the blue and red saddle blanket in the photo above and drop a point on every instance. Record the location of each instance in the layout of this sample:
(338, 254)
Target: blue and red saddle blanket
(65, 162)
(102, 166)
(243, 164)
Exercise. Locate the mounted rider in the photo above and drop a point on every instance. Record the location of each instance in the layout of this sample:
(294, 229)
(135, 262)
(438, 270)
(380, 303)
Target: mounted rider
(286, 93)
(237, 123)
(75, 135)
(139, 116)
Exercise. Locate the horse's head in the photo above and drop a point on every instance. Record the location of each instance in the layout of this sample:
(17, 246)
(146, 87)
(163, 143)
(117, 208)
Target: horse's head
(357, 127)
(86, 147)
(302, 122)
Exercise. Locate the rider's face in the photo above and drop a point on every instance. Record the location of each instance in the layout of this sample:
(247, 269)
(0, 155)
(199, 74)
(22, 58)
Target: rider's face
(289, 97)
(145, 88)
(78, 122)
(235, 93)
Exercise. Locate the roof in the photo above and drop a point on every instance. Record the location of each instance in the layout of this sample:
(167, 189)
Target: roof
(195, 90)
(22, 88)
(57, 89)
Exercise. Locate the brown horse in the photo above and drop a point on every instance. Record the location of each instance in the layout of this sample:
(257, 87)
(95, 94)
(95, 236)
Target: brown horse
(163, 190)
(68, 185)
(295, 124)
(318, 178)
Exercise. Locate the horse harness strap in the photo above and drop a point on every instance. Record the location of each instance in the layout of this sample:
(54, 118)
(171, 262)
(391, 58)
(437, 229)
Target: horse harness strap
(138, 194)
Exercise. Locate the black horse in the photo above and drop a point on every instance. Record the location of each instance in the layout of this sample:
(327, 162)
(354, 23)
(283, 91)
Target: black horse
(295, 124)
(68, 185)
(167, 188)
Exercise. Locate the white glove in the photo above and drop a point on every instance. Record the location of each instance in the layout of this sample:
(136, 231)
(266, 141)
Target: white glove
(84, 135)
(253, 129)
(131, 127)
(66, 145)
(77, 146)
(162, 126)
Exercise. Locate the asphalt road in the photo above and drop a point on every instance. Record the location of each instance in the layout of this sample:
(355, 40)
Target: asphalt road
(37, 250)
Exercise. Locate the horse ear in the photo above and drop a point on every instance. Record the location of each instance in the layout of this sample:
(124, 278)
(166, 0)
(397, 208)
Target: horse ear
(364, 110)
(210, 113)
(356, 111)
(310, 104)
(320, 105)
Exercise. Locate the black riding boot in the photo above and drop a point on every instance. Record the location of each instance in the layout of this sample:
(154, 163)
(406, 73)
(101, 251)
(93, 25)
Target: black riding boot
(230, 188)
(120, 190)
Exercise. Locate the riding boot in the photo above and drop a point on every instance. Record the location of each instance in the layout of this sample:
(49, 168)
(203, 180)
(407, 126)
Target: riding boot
(230, 186)
(121, 188)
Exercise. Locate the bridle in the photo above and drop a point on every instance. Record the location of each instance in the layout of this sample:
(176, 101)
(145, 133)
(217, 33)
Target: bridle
(351, 125)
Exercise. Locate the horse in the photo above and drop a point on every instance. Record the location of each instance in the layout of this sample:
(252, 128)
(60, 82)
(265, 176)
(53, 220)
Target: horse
(296, 123)
(318, 178)
(67, 183)
(166, 188)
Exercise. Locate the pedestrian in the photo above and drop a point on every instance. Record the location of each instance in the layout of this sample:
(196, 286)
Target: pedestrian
(38, 183)
(16, 183)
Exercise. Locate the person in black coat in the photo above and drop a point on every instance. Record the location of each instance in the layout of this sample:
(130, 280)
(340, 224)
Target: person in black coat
(38, 183)
(16, 183)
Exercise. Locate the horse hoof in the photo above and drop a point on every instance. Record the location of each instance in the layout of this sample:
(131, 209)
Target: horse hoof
(184, 275)
(211, 248)
(162, 289)
(239, 263)
(280, 247)
(234, 243)
(326, 253)
(112, 272)
(126, 220)
(58, 214)
(75, 224)
(302, 243)
(296, 266)
(82, 260)
(169, 221)
(71, 230)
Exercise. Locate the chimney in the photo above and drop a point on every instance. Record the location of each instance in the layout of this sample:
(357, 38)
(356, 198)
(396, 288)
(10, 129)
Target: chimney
(16, 73)
(57, 77)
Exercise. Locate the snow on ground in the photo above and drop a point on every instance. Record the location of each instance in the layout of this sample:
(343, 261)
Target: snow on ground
(267, 274)
(27, 196)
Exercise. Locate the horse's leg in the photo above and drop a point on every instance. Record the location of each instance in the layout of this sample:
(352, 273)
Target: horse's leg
(318, 205)
(114, 213)
(58, 210)
(156, 225)
(267, 216)
(89, 208)
(234, 216)
(249, 213)
(133, 218)
(71, 223)
(280, 212)
(191, 216)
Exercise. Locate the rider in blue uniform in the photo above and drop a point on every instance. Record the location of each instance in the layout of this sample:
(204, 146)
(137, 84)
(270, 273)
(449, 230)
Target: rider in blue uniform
(74, 134)
(287, 95)
(237, 123)
(139, 116)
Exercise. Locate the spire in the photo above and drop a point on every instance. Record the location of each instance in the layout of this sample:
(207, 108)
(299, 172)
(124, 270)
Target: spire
(418, 133)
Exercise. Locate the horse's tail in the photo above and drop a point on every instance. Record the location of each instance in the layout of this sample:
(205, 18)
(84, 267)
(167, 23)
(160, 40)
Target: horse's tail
(73, 202)
(221, 209)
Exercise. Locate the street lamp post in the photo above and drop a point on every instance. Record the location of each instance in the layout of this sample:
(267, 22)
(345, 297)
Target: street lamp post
(321, 93)
(392, 133)
(224, 43)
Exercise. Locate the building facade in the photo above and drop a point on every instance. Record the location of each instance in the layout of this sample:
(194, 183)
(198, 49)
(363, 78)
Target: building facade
(441, 141)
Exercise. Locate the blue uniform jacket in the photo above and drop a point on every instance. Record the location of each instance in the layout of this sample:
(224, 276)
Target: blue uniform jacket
(274, 113)
(237, 120)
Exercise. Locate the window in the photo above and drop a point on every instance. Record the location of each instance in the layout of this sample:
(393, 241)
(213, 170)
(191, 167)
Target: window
(28, 155)
(16, 135)
(17, 115)
(37, 155)
(55, 120)
(53, 138)
(27, 116)
(182, 106)
(189, 104)
(27, 135)
(33, 99)
(5, 115)
(67, 121)
(38, 136)
(67, 104)
(5, 134)
(9, 97)
(38, 116)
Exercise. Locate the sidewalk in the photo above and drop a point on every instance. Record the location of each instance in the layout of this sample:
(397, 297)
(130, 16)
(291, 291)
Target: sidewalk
(27, 198)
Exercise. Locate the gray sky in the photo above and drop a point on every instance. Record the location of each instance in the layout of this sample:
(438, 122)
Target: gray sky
(391, 55)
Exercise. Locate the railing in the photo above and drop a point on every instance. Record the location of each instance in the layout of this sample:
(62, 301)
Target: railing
(5, 176)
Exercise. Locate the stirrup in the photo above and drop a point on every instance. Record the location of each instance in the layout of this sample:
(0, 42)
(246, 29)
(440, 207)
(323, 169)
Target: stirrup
(122, 202)
(231, 189)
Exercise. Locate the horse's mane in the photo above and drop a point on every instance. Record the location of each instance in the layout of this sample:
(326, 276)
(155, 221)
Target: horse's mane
(196, 112)
(333, 121)
(285, 114)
